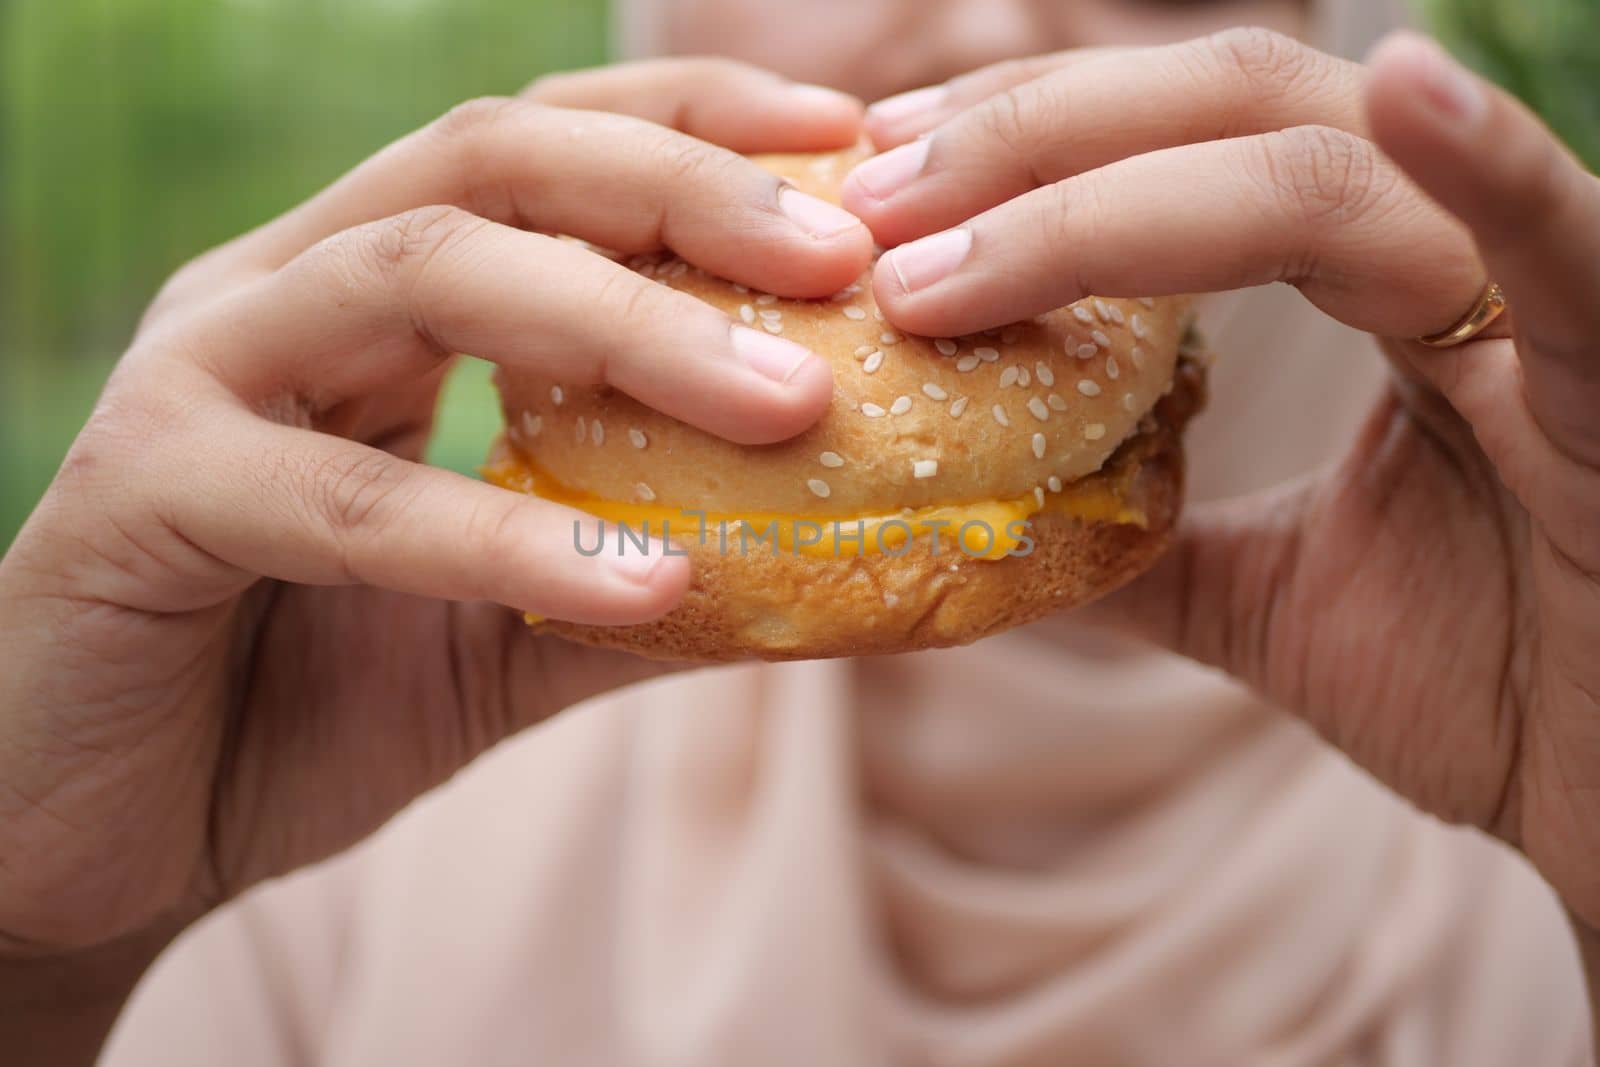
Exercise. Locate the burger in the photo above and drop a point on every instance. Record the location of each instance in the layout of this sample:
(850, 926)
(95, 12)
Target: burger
(956, 487)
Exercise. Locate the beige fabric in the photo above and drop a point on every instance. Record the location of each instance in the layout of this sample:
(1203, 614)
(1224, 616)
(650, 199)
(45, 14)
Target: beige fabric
(1050, 848)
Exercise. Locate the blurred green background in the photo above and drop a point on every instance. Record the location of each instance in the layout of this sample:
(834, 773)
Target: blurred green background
(136, 133)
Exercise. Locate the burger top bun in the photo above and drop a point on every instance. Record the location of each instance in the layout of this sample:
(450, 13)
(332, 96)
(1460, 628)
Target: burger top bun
(915, 421)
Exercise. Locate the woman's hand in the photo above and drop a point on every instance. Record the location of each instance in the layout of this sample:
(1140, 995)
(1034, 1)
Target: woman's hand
(1432, 603)
(245, 625)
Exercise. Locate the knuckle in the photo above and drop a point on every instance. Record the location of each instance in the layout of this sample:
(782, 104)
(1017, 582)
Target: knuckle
(689, 162)
(497, 530)
(1323, 176)
(1264, 59)
(401, 246)
(638, 306)
(1072, 219)
(471, 118)
(353, 490)
(1007, 119)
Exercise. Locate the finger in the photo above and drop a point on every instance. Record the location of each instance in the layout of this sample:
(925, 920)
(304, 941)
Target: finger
(898, 119)
(314, 509)
(1092, 113)
(1313, 206)
(733, 104)
(1532, 208)
(387, 301)
(616, 181)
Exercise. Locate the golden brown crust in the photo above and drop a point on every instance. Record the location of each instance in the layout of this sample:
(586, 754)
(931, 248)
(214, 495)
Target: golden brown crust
(755, 605)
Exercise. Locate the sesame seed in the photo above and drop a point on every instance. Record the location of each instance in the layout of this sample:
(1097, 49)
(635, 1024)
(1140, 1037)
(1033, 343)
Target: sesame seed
(890, 600)
(1086, 351)
(581, 430)
(854, 313)
(766, 298)
(924, 468)
(967, 363)
(1022, 377)
(831, 459)
(988, 355)
(1053, 483)
(645, 492)
(999, 414)
(1137, 356)
(1099, 338)
(934, 392)
(1082, 314)
(872, 411)
(901, 405)
(1008, 377)
(945, 346)
(873, 362)
(864, 351)
(1046, 376)
(1042, 320)
(877, 314)
(772, 327)
(1127, 402)
(1038, 494)
(555, 395)
(1111, 368)
(1139, 329)
(819, 487)
(1102, 310)
(1147, 302)
(958, 407)
(770, 315)
(679, 269)
(890, 338)
(531, 424)
(1094, 431)
(597, 433)
(1056, 402)
(1038, 446)
(1036, 406)
(747, 313)
(636, 437)
(741, 288)
(1116, 315)
(1088, 387)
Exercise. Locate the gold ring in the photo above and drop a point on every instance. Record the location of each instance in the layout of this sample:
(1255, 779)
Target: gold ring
(1488, 308)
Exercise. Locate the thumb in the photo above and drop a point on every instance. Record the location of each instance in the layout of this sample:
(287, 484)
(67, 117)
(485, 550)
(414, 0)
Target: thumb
(1533, 210)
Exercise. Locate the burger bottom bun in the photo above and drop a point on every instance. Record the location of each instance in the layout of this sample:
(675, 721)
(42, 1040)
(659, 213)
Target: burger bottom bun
(758, 605)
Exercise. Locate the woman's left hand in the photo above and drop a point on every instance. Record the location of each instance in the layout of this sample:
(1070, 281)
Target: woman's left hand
(1431, 604)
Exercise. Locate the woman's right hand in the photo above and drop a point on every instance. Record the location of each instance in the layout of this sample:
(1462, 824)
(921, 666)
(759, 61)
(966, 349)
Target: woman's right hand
(245, 625)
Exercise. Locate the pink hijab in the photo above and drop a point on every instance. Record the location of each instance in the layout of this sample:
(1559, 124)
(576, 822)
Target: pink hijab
(1051, 847)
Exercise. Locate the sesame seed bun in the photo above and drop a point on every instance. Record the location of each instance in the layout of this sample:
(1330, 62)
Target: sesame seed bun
(1074, 417)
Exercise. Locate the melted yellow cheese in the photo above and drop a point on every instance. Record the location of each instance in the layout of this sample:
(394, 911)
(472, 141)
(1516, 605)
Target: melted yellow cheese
(998, 532)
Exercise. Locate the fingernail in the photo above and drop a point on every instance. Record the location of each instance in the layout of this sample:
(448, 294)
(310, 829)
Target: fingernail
(1449, 87)
(922, 263)
(771, 357)
(817, 217)
(885, 175)
(632, 563)
(908, 105)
